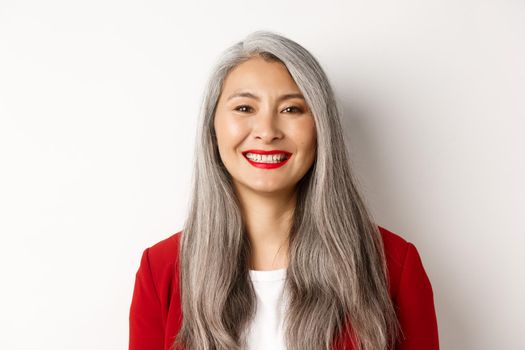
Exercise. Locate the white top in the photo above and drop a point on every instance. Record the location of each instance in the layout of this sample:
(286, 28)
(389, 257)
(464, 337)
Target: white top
(266, 330)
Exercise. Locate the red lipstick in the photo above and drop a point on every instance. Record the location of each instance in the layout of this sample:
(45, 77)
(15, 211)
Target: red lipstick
(263, 165)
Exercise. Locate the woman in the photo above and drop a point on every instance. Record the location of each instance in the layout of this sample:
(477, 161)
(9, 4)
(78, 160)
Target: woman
(278, 250)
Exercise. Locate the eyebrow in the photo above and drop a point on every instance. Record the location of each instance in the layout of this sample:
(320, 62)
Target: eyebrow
(255, 97)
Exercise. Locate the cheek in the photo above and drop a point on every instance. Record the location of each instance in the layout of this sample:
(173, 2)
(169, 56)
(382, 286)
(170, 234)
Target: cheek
(305, 134)
(228, 131)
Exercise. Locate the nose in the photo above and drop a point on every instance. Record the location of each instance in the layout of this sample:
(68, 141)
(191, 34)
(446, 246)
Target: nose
(266, 126)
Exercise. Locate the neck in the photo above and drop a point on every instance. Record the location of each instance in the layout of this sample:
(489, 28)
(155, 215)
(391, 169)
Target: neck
(268, 219)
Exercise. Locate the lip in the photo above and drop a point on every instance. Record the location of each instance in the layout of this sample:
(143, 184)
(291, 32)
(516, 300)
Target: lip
(267, 165)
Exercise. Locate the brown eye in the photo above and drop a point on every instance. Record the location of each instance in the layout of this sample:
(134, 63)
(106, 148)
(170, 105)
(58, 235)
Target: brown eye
(243, 107)
(296, 109)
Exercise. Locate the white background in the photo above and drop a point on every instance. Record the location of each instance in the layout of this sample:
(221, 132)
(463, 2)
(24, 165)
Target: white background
(98, 106)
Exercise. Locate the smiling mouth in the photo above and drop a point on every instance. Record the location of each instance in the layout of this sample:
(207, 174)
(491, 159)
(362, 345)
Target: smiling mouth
(267, 158)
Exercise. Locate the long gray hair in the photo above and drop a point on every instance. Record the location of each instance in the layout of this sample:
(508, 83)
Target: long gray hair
(337, 283)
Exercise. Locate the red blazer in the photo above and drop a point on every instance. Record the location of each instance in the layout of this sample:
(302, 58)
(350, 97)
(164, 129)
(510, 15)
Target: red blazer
(155, 313)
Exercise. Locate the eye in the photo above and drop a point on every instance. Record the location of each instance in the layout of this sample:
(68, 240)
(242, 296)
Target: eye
(243, 106)
(297, 109)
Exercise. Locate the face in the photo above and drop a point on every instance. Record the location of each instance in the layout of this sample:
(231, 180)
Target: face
(260, 110)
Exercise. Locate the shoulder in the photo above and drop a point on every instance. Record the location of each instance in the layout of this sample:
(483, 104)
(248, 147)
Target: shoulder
(412, 293)
(164, 252)
(395, 246)
(398, 253)
(162, 259)
(155, 311)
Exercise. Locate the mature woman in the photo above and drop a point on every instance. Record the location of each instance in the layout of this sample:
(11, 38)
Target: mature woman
(278, 250)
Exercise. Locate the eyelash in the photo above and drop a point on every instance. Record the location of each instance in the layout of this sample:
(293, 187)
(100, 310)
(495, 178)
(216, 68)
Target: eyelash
(298, 110)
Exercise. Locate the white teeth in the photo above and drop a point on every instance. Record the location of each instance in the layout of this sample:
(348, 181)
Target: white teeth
(266, 158)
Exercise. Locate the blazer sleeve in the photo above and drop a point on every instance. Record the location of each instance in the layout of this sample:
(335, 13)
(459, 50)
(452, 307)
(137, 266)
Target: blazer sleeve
(415, 305)
(146, 325)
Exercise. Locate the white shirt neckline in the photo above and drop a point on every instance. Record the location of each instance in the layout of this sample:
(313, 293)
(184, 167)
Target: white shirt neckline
(268, 275)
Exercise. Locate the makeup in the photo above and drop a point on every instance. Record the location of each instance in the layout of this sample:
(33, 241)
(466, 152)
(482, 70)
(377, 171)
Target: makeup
(267, 159)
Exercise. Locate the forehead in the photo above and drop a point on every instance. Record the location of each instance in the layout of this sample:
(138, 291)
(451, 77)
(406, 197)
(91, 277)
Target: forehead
(258, 74)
